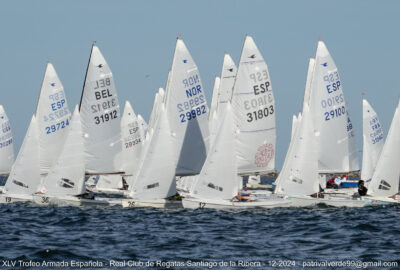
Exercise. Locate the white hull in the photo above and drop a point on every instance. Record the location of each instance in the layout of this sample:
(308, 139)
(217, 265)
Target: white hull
(113, 191)
(12, 198)
(380, 200)
(341, 191)
(46, 200)
(156, 203)
(195, 203)
(331, 201)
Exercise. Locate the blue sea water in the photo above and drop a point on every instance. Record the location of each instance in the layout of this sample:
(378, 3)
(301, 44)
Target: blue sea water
(277, 237)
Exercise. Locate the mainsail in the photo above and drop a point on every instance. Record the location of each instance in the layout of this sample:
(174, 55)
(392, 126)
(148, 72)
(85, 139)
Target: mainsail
(6, 143)
(155, 177)
(132, 139)
(254, 107)
(53, 117)
(214, 100)
(373, 141)
(334, 130)
(24, 177)
(299, 175)
(187, 111)
(100, 116)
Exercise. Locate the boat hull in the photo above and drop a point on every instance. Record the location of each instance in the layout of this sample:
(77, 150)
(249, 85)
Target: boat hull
(331, 201)
(46, 200)
(12, 198)
(155, 203)
(380, 201)
(195, 203)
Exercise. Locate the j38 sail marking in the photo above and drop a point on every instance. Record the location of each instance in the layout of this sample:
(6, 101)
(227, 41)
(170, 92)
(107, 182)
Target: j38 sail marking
(101, 83)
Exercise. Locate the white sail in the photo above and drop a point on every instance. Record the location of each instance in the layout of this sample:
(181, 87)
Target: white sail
(299, 175)
(385, 180)
(109, 181)
(254, 107)
(100, 116)
(310, 72)
(373, 141)
(228, 76)
(67, 175)
(295, 121)
(187, 111)
(214, 100)
(334, 130)
(6, 143)
(225, 88)
(142, 125)
(24, 177)
(132, 139)
(53, 117)
(158, 99)
(155, 178)
(216, 179)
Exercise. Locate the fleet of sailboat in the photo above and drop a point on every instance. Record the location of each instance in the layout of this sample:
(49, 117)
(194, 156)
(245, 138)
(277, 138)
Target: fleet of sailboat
(193, 156)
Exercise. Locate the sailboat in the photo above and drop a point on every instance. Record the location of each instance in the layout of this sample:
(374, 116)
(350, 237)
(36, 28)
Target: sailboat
(65, 182)
(373, 141)
(299, 179)
(222, 94)
(384, 185)
(218, 183)
(100, 116)
(6, 144)
(24, 177)
(154, 180)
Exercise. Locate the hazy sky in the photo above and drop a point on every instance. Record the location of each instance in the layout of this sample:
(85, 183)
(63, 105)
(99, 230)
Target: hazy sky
(137, 39)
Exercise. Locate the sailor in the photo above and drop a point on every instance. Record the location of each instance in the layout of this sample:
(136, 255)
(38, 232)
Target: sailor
(362, 190)
(338, 180)
(243, 196)
(330, 183)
